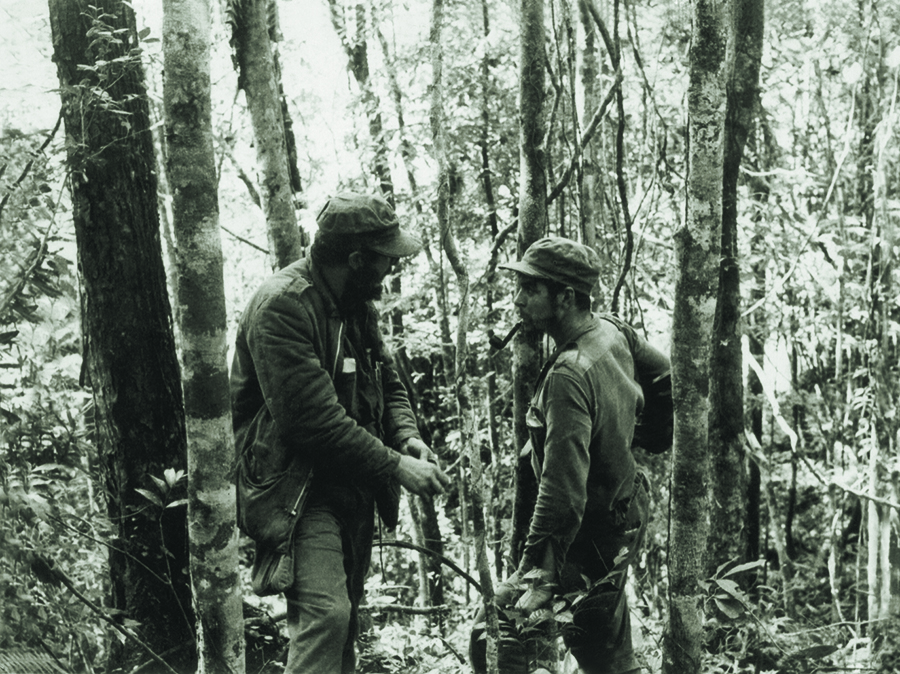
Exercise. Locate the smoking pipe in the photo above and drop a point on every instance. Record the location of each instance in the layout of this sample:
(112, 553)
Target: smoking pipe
(496, 343)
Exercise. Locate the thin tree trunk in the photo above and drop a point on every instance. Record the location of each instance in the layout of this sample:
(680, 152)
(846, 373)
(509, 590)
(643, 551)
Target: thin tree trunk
(357, 49)
(697, 251)
(533, 224)
(591, 187)
(212, 511)
(727, 536)
(126, 322)
(422, 510)
(258, 79)
(471, 451)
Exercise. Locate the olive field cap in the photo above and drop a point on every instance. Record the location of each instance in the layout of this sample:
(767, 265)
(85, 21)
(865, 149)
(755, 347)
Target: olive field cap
(372, 218)
(562, 260)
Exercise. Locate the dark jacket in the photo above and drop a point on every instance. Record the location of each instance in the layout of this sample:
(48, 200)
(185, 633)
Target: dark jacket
(305, 396)
(581, 422)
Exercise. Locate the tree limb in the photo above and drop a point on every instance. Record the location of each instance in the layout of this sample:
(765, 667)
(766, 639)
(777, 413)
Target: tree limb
(243, 240)
(49, 567)
(586, 138)
(444, 560)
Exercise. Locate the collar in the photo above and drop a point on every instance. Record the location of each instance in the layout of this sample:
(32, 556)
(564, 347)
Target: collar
(570, 343)
(314, 274)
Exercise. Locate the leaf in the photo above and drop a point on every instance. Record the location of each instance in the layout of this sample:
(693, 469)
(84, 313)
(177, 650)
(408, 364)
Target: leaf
(817, 651)
(621, 557)
(565, 617)
(730, 587)
(150, 496)
(143, 33)
(173, 477)
(179, 502)
(745, 567)
(8, 337)
(159, 483)
(730, 607)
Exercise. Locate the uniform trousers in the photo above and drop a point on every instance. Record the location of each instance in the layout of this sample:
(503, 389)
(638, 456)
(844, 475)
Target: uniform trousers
(331, 559)
(599, 636)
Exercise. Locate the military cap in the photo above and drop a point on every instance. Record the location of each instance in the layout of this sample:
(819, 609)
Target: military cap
(370, 217)
(562, 260)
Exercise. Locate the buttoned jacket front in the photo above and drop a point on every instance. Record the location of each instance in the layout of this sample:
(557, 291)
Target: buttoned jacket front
(295, 401)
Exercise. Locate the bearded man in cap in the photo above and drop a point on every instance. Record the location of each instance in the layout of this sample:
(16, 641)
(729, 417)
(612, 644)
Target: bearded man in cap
(314, 393)
(592, 504)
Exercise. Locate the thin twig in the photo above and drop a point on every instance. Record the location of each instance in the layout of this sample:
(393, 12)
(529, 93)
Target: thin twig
(586, 138)
(444, 560)
(128, 634)
(243, 240)
(30, 164)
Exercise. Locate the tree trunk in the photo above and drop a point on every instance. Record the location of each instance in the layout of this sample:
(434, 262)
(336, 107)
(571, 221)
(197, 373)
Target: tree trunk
(697, 251)
(357, 50)
(533, 224)
(591, 187)
(473, 485)
(253, 48)
(212, 511)
(126, 323)
(726, 432)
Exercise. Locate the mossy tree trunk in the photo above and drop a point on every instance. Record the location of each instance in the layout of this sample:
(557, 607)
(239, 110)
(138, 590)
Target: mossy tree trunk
(258, 78)
(533, 224)
(697, 245)
(726, 422)
(212, 511)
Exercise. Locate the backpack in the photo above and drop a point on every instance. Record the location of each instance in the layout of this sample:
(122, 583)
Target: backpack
(654, 428)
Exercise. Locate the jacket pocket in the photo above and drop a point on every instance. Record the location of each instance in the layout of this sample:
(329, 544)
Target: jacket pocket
(269, 509)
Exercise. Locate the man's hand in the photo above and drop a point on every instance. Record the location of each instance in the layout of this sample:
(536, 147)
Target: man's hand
(418, 449)
(533, 599)
(421, 477)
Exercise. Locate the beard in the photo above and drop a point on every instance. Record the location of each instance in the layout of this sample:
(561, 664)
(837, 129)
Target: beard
(365, 285)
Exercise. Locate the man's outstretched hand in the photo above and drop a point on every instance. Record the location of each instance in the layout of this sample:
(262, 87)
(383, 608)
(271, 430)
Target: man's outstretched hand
(421, 476)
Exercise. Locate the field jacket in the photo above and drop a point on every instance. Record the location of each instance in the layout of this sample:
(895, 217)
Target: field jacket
(581, 421)
(305, 396)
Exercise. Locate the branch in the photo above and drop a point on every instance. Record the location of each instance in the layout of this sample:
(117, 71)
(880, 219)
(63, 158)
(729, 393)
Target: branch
(29, 164)
(407, 610)
(754, 444)
(498, 241)
(242, 175)
(613, 49)
(639, 62)
(586, 138)
(444, 560)
(49, 567)
(607, 39)
(243, 240)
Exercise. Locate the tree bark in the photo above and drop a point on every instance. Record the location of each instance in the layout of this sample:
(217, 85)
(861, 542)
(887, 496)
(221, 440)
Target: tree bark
(473, 486)
(726, 431)
(697, 250)
(253, 49)
(126, 322)
(533, 224)
(357, 50)
(212, 511)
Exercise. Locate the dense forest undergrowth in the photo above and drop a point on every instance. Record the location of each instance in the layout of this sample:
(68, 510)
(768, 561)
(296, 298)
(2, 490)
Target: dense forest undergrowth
(808, 582)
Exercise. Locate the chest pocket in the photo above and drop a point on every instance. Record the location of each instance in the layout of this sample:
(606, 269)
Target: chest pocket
(359, 389)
